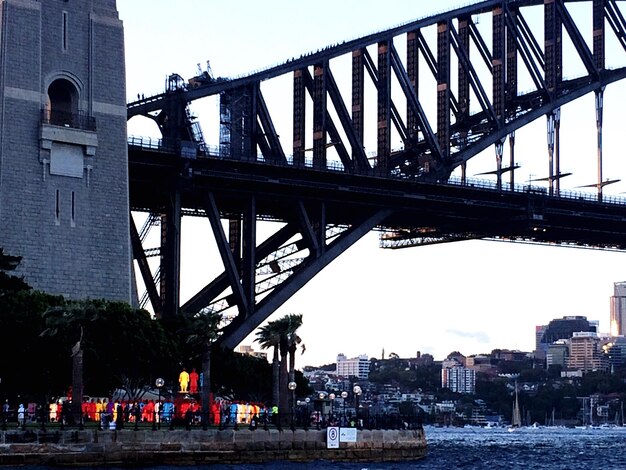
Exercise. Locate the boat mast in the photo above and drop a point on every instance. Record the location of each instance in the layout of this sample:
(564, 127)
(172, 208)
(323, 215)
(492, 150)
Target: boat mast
(516, 419)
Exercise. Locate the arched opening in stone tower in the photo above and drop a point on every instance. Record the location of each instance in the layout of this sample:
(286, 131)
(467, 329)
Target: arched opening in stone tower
(62, 103)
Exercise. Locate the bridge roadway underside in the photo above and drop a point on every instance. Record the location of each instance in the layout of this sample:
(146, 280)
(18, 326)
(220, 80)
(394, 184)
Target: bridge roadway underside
(428, 210)
(315, 205)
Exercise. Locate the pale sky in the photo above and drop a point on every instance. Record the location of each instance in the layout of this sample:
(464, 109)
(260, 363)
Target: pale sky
(469, 296)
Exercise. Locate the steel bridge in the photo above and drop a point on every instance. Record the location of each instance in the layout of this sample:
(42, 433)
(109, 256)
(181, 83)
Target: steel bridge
(341, 175)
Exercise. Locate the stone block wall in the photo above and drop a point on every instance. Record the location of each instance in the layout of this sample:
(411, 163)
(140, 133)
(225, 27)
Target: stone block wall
(181, 447)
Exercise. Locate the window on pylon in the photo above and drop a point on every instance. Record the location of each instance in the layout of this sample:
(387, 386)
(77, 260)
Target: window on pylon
(63, 103)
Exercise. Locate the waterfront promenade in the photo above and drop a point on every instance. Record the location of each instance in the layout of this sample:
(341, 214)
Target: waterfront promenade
(89, 447)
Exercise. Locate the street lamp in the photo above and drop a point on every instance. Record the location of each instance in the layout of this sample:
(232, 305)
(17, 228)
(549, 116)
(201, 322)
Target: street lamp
(292, 386)
(307, 419)
(159, 383)
(322, 397)
(331, 397)
(357, 393)
(344, 395)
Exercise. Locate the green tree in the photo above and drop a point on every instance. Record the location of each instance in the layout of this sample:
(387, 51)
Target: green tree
(21, 322)
(123, 347)
(241, 376)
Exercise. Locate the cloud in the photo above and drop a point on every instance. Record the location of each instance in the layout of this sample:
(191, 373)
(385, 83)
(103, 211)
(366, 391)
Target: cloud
(479, 336)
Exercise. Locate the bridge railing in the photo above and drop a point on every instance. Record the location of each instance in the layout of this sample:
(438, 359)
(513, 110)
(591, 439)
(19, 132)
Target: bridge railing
(147, 143)
(80, 120)
(156, 144)
(524, 188)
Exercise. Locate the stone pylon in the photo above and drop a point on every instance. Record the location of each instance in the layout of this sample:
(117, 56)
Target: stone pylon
(63, 152)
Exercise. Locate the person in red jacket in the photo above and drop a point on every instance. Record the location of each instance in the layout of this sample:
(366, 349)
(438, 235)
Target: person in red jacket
(193, 381)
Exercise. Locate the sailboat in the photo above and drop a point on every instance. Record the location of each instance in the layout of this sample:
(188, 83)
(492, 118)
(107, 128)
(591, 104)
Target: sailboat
(619, 416)
(516, 418)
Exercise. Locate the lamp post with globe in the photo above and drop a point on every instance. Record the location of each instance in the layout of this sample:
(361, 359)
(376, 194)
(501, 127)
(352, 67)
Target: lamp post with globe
(331, 397)
(322, 397)
(157, 412)
(292, 386)
(344, 395)
(357, 394)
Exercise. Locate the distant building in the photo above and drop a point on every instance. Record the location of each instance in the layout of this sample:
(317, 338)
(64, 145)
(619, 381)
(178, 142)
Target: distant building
(355, 367)
(458, 378)
(615, 350)
(540, 348)
(539, 332)
(618, 309)
(481, 363)
(586, 353)
(510, 355)
(557, 354)
(246, 349)
(561, 328)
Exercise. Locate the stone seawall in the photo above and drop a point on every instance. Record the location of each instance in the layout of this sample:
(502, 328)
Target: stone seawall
(181, 447)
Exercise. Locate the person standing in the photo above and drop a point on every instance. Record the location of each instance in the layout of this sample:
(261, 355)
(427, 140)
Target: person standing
(5, 411)
(183, 380)
(21, 415)
(193, 381)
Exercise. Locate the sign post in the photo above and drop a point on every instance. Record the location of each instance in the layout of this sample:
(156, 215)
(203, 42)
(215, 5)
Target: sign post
(332, 437)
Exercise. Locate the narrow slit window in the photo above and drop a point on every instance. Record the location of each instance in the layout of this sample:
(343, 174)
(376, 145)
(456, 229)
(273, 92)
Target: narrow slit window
(73, 214)
(65, 24)
(57, 208)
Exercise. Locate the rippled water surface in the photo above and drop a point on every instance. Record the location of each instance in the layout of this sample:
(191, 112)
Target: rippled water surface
(477, 448)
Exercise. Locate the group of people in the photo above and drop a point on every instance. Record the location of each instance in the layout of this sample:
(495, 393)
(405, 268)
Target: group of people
(125, 411)
(188, 382)
(116, 413)
(24, 413)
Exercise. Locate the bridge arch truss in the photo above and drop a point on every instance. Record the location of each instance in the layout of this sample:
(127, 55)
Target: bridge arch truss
(392, 114)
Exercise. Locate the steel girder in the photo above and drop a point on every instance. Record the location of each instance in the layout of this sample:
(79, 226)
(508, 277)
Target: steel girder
(462, 128)
(324, 213)
(469, 118)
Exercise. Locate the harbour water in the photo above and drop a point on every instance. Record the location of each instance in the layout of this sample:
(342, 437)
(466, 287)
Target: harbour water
(548, 448)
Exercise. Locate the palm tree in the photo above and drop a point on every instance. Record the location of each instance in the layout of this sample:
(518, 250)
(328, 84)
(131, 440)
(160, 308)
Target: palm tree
(287, 327)
(268, 336)
(293, 340)
(281, 335)
(203, 331)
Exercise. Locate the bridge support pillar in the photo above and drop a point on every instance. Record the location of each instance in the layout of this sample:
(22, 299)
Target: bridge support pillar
(512, 159)
(557, 149)
(599, 112)
(499, 152)
(64, 194)
(550, 135)
(170, 257)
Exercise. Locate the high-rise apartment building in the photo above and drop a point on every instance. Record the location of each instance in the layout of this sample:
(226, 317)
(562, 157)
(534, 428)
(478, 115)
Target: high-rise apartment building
(355, 367)
(585, 353)
(618, 309)
(458, 378)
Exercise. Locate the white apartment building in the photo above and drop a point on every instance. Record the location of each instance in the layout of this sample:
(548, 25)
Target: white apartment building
(355, 367)
(459, 379)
